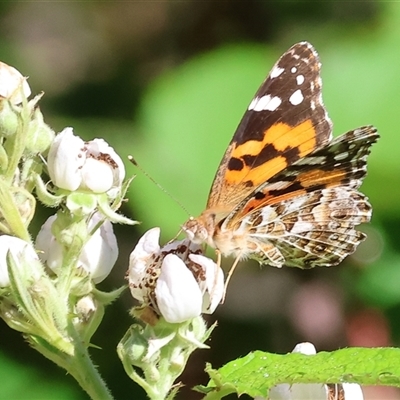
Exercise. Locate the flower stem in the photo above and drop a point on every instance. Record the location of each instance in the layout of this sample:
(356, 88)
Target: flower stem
(83, 370)
(79, 364)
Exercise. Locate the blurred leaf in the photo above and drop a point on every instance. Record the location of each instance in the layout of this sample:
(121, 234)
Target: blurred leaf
(20, 382)
(188, 117)
(362, 83)
(379, 283)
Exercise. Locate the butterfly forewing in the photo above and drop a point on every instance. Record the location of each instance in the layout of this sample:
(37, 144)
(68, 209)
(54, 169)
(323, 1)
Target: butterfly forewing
(285, 121)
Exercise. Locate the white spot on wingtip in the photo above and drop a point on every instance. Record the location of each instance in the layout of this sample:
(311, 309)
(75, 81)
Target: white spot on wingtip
(274, 104)
(265, 103)
(293, 70)
(300, 79)
(296, 98)
(253, 103)
(262, 103)
(276, 71)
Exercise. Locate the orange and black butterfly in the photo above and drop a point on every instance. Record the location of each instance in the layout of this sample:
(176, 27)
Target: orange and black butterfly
(285, 192)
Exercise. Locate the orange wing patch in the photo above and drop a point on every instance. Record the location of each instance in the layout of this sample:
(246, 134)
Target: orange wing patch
(282, 145)
(252, 163)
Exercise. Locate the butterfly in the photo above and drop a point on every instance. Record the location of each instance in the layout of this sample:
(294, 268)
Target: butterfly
(286, 193)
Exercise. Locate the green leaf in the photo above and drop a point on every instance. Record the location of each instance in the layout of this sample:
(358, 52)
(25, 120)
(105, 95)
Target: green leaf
(379, 283)
(257, 372)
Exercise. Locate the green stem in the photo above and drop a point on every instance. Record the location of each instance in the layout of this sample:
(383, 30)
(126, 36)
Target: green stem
(79, 365)
(130, 371)
(83, 370)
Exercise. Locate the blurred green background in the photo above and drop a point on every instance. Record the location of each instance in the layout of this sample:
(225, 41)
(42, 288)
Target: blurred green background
(168, 83)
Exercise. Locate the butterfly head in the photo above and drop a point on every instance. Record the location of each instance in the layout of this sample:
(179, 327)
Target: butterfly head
(196, 230)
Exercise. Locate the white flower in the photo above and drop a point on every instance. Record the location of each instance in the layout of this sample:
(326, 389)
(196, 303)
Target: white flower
(98, 255)
(20, 250)
(314, 391)
(177, 281)
(91, 166)
(11, 83)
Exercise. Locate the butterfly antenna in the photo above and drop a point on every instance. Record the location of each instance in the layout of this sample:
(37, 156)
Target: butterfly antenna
(146, 174)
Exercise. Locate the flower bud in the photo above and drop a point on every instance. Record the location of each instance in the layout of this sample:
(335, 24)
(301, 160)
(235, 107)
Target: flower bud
(91, 166)
(40, 135)
(97, 257)
(13, 86)
(8, 120)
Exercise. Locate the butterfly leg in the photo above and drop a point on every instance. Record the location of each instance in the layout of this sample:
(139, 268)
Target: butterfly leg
(219, 261)
(228, 278)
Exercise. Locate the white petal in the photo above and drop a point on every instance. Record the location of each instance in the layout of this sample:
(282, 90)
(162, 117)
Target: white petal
(178, 295)
(298, 391)
(100, 252)
(138, 261)
(65, 160)
(213, 289)
(10, 84)
(97, 176)
(305, 348)
(49, 250)
(44, 238)
(146, 247)
(19, 249)
(99, 147)
(352, 391)
(148, 244)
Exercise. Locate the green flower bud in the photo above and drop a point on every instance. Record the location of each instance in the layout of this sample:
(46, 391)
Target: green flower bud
(40, 136)
(8, 119)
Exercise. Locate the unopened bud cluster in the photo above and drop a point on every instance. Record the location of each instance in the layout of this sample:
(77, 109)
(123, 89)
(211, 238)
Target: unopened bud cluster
(47, 283)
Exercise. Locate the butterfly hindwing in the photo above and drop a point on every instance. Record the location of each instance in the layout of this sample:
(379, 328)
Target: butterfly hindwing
(311, 229)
